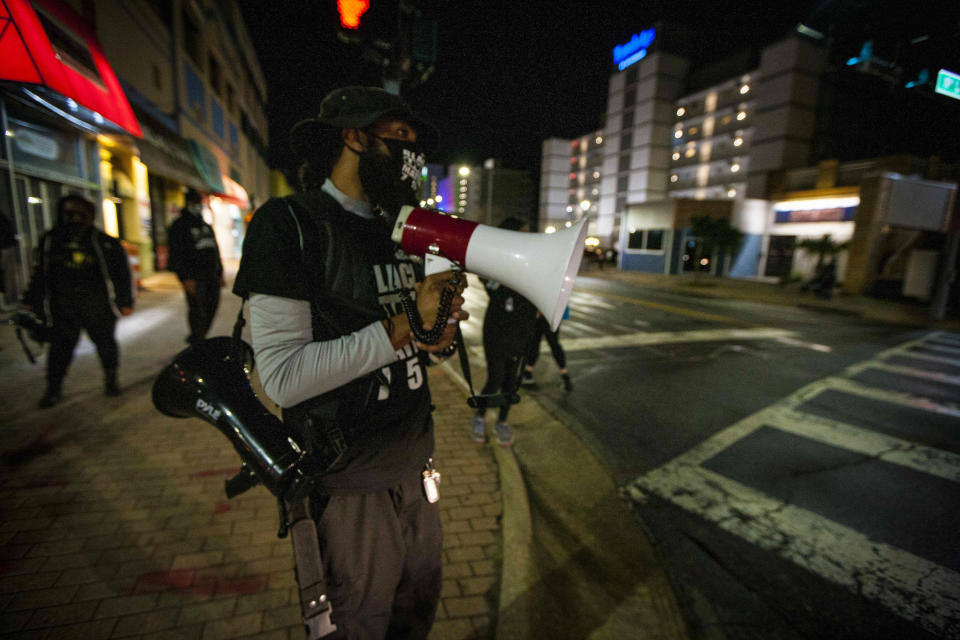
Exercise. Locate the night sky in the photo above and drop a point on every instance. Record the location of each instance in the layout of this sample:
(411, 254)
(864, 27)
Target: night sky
(510, 74)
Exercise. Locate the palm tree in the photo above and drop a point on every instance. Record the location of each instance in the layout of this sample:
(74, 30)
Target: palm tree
(823, 247)
(715, 234)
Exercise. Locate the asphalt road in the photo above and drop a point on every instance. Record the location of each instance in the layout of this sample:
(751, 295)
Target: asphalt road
(797, 469)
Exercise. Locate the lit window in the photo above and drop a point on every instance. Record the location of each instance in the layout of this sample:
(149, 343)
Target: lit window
(681, 111)
(464, 171)
(690, 152)
(742, 115)
(676, 155)
(725, 120)
(731, 193)
(735, 167)
(678, 133)
(674, 178)
(744, 89)
(693, 130)
(737, 142)
(599, 140)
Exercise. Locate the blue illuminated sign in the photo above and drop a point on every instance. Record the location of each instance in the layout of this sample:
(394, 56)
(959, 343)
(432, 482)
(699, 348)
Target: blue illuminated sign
(626, 54)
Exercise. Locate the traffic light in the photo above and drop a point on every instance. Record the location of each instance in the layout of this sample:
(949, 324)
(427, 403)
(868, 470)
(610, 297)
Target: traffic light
(351, 12)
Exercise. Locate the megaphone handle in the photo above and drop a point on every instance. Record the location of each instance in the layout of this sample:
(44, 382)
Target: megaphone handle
(416, 322)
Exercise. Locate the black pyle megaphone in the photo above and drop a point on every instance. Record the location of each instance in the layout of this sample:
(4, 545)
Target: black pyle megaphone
(209, 381)
(539, 266)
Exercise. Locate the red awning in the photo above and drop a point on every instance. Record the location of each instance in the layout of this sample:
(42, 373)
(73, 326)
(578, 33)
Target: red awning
(56, 48)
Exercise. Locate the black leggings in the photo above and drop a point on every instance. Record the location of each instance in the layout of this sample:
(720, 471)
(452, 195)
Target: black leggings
(503, 375)
(90, 313)
(553, 339)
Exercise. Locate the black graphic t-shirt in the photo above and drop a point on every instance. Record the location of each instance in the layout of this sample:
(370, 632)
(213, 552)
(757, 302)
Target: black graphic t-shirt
(355, 273)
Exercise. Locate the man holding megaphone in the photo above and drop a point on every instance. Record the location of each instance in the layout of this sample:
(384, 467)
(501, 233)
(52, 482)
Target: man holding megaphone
(335, 350)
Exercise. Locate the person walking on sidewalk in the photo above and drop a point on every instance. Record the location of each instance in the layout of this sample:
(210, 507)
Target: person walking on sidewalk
(81, 280)
(507, 326)
(195, 258)
(559, 355)
(336, 352)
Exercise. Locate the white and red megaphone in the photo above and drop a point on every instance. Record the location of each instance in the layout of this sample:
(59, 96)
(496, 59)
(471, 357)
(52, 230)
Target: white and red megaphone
(541, 267)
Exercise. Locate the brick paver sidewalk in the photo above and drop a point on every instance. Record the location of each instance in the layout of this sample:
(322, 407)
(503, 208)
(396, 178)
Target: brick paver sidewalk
(114, 524)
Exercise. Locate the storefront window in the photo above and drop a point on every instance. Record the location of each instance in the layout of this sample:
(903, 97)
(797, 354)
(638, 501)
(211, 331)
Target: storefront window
(44, 148)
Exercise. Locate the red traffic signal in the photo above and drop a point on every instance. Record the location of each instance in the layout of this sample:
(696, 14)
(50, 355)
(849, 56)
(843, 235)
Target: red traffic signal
(350, 12)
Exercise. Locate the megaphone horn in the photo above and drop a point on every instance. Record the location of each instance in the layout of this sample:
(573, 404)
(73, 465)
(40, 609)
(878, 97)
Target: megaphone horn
(539, 266)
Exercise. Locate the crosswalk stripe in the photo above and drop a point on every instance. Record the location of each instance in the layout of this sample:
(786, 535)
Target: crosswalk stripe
(869, 443)
(929, 357)
(934, 376)
(954, 351)
(915, 588)
(889, 395)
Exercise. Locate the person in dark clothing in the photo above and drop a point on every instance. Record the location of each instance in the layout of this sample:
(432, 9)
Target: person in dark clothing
(507, 327)
(81, 281)
(335, 350)
(195, 258)
(533, 351)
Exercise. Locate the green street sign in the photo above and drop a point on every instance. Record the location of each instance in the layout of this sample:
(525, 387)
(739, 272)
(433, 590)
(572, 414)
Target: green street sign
(948, 83)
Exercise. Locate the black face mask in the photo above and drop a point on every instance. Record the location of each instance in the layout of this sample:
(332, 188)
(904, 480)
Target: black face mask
(75, 222)
(393, 181)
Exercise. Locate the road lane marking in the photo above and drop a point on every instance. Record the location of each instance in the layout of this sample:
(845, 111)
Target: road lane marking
(700, 315)
(822, 348)
(917, 589)
(669, 337)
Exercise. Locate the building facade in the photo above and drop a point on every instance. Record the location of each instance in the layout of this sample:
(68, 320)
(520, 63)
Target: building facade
(128, 103)
(486, 193)
(746, 138)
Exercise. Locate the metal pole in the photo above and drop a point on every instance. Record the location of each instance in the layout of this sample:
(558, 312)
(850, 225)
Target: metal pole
(24, 266)
(948, 274)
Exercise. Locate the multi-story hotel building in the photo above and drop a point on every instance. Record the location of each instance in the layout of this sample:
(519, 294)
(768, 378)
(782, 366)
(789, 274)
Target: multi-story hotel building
(731, 139)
